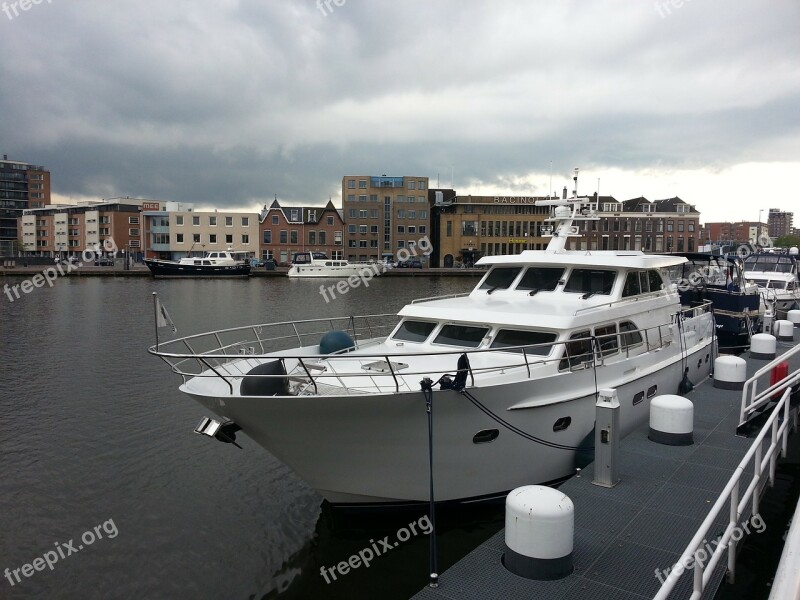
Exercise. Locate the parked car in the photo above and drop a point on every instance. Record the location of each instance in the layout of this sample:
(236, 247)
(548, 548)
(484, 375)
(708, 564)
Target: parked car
(70, 260)
(103, 261)
(416, 264)
(255, 263)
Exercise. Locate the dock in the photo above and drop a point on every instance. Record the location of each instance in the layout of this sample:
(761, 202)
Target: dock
(670, 501)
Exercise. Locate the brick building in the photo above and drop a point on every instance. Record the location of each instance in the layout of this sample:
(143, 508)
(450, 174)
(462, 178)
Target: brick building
(285, 230)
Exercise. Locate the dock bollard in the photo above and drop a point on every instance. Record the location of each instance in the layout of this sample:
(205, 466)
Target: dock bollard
(540, 531)
(730, 372)
(784, 330)
(763, 346)
(672, 420)
(606, 438)
(794, 317)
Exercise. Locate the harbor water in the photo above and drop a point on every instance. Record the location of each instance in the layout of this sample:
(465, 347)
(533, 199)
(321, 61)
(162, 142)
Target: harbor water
(93, 432)
(96, 439)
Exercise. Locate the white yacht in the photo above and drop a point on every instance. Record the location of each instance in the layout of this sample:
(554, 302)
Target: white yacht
(512, 370)
(776, 275)
(317, 264)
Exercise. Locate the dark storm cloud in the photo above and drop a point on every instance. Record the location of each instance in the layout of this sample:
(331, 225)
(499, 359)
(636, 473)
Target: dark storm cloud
(229, 103)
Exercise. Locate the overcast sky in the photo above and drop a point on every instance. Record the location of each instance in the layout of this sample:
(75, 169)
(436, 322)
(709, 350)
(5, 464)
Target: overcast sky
(228, 103)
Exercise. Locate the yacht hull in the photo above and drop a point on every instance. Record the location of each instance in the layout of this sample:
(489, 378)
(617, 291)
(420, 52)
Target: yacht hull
(372, 449)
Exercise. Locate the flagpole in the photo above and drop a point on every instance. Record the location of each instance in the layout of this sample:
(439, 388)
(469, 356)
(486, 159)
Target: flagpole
(155, 314)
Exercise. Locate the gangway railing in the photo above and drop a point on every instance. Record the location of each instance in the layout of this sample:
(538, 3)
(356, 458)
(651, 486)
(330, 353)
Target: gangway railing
(751, 399)
(760, 461)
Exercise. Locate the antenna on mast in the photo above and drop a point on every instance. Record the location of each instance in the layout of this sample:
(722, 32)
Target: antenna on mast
(550, 189)
(575, 180)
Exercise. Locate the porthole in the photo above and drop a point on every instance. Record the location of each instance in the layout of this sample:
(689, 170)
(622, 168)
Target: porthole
(699, 363)
(484, 436)
(638, 398)
(706, 357)
(562, 424)
(652, 390)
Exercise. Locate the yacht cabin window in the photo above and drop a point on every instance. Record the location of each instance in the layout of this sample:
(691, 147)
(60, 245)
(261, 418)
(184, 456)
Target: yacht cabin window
(607, 338)
(591, 281)
(500, 278)
(468, 336)
(577, 351)
(536, 343)
(629, 336)
(414, 331)
(543, 279)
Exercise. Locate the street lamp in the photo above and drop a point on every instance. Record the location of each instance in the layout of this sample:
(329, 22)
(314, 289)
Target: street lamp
(758, 229)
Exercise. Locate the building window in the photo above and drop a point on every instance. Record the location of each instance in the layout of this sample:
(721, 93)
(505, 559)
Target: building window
(322, 238)
(362, 184)
(337, 238)
(330, 220)
(362, 214)
(245, 221)
(178, 220)
(691, 226)
(362, 198)
(351, 197)
(228, 221)
(293, 236)
(373, 229)
(412, 229)
(351, 184)
(228, 238)
(131, 232)
(401, 214)
(362, 243)
(449, 229)
(196, 221)
(178, 238)
(212, 238)
(362, 229)
(212, 221)
(373, 197)
(352, 228)
(133, 220)
(412, 185)
(373, 213)
(274, 219)
(401, 243)
(196, 238)
(283, 237)
(412, 214)
(267, 236)
(353, 213)
(312, 237)
(245, 238)
(422, 229)
(421, 185)
(423, 214)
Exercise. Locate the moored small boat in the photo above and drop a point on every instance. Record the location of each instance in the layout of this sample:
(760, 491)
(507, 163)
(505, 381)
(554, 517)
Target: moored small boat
(222, 263)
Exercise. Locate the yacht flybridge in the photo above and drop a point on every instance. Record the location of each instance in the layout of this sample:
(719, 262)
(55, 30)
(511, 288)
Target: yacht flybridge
(512, 371)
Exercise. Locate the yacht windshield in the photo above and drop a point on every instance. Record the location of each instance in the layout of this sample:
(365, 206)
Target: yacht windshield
(508, 338)
(414, 331)
(467, 336)
(591, 281)
(500, 278)
(543, 279)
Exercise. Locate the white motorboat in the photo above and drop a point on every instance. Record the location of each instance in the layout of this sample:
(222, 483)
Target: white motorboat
(512, 371)
(776, 275)
(317, 264)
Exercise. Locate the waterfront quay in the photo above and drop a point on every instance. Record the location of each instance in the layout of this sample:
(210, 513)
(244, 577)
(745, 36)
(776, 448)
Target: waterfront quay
(628, 537)
(139, 270)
